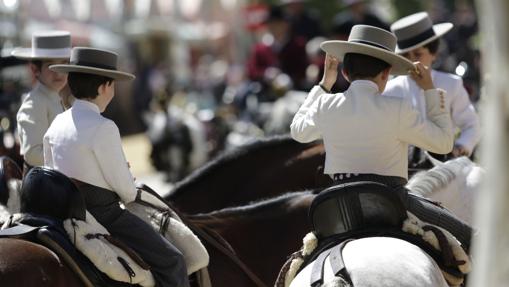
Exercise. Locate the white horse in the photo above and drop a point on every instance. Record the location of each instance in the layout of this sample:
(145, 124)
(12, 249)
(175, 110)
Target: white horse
(380, 262)
(454, 184)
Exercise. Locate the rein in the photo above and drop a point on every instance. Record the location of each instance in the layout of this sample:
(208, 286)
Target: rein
(211, 237)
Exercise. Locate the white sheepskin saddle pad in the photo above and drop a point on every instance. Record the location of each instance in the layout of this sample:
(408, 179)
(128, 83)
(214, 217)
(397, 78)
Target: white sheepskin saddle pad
(195, 254)
(103, 254)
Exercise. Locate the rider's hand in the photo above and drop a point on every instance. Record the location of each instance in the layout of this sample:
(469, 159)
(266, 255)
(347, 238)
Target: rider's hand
(459, 150)
(330, 72)
(422, 76)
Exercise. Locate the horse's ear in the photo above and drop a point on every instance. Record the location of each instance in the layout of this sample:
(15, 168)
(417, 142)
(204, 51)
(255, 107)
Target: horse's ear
(433, 160)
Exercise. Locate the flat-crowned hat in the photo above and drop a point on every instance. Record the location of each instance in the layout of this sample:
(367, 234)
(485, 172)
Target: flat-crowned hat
(47, 45)
(93, 61)
(370, 41)
(417, 30)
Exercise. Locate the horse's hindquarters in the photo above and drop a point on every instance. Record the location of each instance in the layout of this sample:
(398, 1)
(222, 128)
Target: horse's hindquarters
(381, 262)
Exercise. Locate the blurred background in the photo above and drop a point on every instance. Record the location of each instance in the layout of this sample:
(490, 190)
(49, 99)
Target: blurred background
(211, 74)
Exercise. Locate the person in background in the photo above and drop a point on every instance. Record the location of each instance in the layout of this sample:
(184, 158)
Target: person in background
(85, 146)
(282, 50)
(418, 40)
(304, 23)
(41, 105)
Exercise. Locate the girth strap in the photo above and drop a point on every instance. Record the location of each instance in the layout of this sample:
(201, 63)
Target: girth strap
(317, 271)
(336, 262)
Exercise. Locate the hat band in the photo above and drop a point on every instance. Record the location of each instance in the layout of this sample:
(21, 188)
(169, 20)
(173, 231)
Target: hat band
(403, 44)
(48, 53)
(94, 65)
(371, 44)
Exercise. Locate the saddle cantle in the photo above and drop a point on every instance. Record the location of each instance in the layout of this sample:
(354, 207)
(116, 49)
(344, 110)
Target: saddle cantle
(352, 207)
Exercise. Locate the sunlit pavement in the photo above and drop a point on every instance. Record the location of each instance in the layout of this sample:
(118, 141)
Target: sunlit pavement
(137, 151)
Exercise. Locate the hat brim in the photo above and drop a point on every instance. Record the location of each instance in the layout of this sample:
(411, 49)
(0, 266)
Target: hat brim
(26, 54)
(440, 30)
(116, 75)
(400, 65)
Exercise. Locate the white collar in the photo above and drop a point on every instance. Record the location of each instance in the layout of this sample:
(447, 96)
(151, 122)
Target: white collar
(86, 105)
(40, 87)
(366, 86)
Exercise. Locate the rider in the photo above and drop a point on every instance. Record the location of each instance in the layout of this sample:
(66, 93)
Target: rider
(418, 40)
(85, 146)
(366, 136)
(43, 102)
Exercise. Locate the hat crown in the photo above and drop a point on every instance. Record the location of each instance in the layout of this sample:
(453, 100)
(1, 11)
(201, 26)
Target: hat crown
(412, 25)
(96, 58)
(51, 40)
(373, 36)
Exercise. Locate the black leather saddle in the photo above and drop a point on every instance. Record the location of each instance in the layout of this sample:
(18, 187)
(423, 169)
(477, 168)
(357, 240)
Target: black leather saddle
(352, 207)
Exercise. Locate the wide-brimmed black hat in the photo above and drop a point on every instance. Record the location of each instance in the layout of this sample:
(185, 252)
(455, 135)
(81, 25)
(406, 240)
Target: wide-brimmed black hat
(417, 30)
(48, 45)
(93, 61)
(370, 41)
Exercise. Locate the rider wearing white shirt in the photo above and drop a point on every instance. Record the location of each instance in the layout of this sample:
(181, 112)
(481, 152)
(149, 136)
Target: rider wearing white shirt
(418, 40)
(86, 147)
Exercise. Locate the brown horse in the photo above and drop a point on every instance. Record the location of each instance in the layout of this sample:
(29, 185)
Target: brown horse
(263, 169)
(261, 235)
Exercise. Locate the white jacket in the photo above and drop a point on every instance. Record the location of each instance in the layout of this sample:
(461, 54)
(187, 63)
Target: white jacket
(364, 132)
(86, 146)
(40, 106)
(462, 111)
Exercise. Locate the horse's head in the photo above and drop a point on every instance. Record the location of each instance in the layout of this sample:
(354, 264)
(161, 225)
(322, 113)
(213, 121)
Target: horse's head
(48, 192)
(453, 183)
(10, 178)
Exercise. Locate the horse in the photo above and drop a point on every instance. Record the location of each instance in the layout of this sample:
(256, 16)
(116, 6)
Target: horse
(454, 184)
(380, 261)
(262, 169)
(234, 228)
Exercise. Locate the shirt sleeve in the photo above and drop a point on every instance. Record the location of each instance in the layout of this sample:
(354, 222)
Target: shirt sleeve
(32, 124)
(107, 148)
(465, 117)
(435, 133)
(303, 127)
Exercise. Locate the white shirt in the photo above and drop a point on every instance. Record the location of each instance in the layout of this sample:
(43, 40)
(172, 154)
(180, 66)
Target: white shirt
(86, 146)
(364, 132)
(40, 106)
(462, 111)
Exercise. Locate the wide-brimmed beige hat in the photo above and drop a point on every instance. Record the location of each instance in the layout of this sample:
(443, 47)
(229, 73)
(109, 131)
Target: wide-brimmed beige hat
(93, 61)
(46, 45)
(371, 41)
(417, 30)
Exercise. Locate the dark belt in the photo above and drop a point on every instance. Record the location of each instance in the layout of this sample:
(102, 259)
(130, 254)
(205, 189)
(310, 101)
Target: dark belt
(392, 181)
(95, 195)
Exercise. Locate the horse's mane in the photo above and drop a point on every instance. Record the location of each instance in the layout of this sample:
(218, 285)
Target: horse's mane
(231, 156)
(425, 182)
(258, 207)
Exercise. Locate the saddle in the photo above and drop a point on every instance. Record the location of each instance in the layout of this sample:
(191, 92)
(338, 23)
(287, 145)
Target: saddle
(352, 207)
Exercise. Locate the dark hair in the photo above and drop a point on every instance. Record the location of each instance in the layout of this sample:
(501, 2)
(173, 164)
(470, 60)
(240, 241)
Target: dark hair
(48, 192)
(37, 63)
(432, 46)
(359, 66)
(84, 86)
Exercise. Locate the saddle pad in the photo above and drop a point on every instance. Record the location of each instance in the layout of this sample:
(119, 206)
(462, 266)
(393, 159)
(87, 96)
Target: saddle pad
(106, 257)
(195, 254)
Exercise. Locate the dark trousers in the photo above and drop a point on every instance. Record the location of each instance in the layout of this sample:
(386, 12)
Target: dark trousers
(166, 262)
(423, 208)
